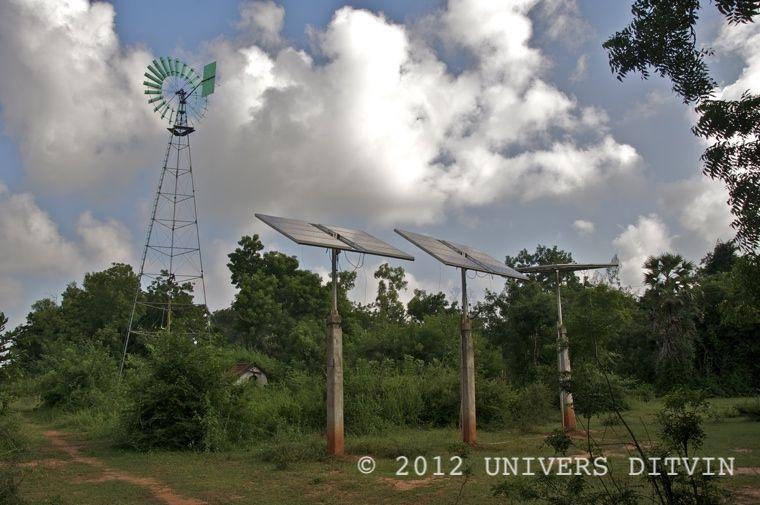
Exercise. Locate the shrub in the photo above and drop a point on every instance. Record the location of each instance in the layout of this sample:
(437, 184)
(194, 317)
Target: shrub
(76, 375)
(750, 408)
(180, 397)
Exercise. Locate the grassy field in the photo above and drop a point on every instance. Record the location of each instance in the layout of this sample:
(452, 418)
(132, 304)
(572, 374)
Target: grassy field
(64, 464)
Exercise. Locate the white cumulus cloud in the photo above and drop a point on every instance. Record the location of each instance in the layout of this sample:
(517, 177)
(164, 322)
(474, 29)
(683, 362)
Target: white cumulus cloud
(584, 228)
(648, 237)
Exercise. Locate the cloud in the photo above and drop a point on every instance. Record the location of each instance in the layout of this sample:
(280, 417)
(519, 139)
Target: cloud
(581, 68)
(379, 128)
(648, 237)
(33, 248)
(651, 106)
(105, 242)
(584, 228)
(71, 95)
(700, 204)
(263, 20)
(565, 22)
(384, 132)
(742, 40)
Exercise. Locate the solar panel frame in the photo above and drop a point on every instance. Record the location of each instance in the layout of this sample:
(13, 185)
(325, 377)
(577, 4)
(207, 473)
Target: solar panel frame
(365, 243)
(566, 267)
(486, 261)
(333, 237)
(440, 251)
(307, 234)
(454, 255)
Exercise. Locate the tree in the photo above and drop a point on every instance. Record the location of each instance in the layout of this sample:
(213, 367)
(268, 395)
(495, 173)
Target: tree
(669, 300)
(425, 304)
(389, 307)
(662, 37)
(721, 259)
(44, 324)
(521, 321)
(100, 310)
(544, 255)
(274, 295)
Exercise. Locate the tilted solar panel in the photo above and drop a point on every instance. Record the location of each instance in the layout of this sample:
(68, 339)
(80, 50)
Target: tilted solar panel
(441, 251)
(494, 265)
(332, 237)
(366, 243)
(304, 233)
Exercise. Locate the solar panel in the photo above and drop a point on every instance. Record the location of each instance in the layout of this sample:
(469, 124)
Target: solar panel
(304, 233)
(459, 256)
(364, 242)
(487, 261)
(439, 250)
(333, 237)
(566, 267)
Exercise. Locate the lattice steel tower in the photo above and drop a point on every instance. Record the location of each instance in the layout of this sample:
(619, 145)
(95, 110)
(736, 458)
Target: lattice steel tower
(171, 263)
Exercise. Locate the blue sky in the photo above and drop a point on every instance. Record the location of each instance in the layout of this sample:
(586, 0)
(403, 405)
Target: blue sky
(543, 144)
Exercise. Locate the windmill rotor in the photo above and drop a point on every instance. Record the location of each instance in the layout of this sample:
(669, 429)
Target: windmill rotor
(174, 88)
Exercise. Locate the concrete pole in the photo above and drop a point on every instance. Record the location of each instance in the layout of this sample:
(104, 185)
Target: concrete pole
(467, 373)
(563, 359)
(335, 438)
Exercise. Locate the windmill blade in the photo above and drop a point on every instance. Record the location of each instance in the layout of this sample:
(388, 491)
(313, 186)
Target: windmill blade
(155, 109)
(184, 69)
(152, 78)
(164, 66)
(152, 91)
(157, 70)
(156, 99)
(151, 85)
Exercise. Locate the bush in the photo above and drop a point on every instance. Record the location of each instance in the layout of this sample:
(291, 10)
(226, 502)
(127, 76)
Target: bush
(750, 408)
(181, 398)
(289, 447)
(76, 375)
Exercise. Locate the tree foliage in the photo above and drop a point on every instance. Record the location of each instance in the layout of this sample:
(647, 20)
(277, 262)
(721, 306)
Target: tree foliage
(662, 37)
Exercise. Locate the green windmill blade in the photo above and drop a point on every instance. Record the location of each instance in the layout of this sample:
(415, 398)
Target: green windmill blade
(152, 91)
(152, 85)
(155, 72)
(158, 69)
(155, 109)
(153, 78)
(164, 66)
(156, 99)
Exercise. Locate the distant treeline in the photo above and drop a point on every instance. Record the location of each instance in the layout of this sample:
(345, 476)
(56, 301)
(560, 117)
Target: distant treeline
(692, 326)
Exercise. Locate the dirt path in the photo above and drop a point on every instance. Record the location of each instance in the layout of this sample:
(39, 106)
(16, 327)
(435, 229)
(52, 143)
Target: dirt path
(159, 490)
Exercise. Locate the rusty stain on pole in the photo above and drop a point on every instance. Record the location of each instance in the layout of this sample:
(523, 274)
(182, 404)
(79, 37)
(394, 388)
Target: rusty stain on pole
(335, 436)
(468, 420)
(563, 361)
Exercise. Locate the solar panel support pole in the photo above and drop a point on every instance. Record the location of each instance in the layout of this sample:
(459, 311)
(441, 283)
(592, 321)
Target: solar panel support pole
(335, 437)
(563, 360)
(467, 372)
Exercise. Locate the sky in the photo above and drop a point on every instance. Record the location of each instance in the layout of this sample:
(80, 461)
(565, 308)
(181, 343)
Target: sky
(495, 123)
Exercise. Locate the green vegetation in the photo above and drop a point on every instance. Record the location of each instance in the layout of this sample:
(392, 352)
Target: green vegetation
(179, 395)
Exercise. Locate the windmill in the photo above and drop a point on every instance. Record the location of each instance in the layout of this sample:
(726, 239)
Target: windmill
(171, 262)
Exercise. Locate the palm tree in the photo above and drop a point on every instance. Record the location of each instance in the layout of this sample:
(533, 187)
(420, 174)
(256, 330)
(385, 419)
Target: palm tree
(669, 299)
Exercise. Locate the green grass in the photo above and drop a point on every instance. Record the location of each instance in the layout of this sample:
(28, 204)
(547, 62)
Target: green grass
(294, 470)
